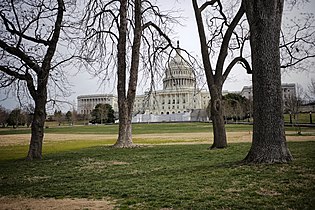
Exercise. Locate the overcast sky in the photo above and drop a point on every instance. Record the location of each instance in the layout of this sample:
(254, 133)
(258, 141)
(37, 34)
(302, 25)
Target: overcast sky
(83, 83)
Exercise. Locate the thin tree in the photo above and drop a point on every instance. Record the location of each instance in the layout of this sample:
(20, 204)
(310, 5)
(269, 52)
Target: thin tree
(311, 91)
(115, 33)
(223, 32)
(4, 115)
(269, 141)
(30, 32)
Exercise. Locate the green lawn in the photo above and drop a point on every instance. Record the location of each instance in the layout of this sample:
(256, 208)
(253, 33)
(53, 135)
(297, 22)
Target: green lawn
(172, 177)
(140, 128)
(300, 118)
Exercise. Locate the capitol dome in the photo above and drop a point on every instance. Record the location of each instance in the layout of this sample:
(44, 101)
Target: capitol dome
(179, 74)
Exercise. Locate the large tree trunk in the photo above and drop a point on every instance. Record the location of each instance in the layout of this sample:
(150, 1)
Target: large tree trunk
(37, 136)
(219, 134)
(269, 142)
(125, 129)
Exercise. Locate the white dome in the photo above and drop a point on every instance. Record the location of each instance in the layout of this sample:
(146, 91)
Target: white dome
(179, 73)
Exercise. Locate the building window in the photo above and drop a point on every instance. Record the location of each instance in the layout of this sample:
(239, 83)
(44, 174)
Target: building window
(162, 112)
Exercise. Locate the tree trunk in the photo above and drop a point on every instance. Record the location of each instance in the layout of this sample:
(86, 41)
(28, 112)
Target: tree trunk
(219, 134)
(125, 129)
(37, 136)
(269, 142)
(126, 103)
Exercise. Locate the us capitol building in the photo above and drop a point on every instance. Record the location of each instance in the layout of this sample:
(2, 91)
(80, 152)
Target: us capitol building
(179, 100)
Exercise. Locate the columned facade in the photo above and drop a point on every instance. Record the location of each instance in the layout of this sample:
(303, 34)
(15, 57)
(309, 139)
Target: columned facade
(86, 103)
(179, 94)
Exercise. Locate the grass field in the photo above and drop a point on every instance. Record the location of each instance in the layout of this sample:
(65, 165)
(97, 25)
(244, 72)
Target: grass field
(300, 118)
(171, 177)
(155, 176)
(140, 128)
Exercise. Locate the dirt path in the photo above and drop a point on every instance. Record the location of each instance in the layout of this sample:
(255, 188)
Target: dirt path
(50, 203)
(204, 137)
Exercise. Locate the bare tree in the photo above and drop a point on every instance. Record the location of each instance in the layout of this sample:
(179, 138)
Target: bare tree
(311, 90)
(29, 35)
(223, 37)
(116, 30)
(4, 115)
(269, 141)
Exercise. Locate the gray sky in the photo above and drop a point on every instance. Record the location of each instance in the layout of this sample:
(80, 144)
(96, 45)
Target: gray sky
(83, 83)
(188, 37)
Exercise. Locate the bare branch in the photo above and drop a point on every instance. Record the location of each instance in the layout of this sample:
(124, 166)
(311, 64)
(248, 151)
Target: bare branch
(232, 64)
(226, 40)
(206, 4)
(20, 54)
(12, 30)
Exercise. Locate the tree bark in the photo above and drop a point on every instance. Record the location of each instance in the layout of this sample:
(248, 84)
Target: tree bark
(38, 123)
(269, 142)
(219, 134)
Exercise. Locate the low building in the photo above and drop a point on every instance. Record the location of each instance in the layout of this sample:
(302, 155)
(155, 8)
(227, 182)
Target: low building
(288, 91)
(86, 103)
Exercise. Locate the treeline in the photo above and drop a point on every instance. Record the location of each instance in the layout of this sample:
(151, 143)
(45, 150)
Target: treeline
(15, 118)
(101, 114)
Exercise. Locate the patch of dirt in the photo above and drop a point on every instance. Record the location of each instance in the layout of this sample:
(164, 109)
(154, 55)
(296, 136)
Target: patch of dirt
(23, 139)
(20, 203)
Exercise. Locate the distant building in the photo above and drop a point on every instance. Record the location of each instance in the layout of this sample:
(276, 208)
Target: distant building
(288, 91)
(86, 103)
